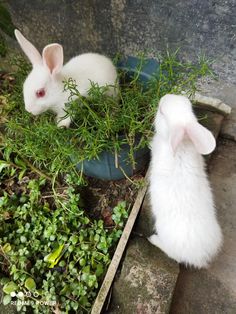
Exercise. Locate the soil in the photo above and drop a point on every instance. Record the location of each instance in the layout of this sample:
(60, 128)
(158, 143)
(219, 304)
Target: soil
(102, 196)
(98, 197)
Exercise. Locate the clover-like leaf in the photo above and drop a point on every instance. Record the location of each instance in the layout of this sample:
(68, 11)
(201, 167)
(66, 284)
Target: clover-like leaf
(6, 248)
(3, 164)
(54, 257)
(30, 284)
(10, 287)
(6, 300)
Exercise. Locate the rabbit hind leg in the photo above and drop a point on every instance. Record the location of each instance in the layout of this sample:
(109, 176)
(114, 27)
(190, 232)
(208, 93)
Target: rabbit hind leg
(154, 239)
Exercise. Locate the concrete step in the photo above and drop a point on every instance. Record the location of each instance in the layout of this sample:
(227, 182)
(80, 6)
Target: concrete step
(146, 282)
(226, 92)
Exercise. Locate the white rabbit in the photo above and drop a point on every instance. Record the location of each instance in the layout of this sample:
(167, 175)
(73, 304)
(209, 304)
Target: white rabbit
(181, 199)
(43, 88)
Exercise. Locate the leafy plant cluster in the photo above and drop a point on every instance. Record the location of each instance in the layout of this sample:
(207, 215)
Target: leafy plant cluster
(52, 254)
(100, 122)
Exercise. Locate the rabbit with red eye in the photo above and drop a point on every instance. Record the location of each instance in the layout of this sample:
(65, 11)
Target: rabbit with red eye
(181, 199)
(44, 89)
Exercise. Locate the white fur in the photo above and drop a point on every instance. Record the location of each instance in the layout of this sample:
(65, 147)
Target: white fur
(49, 73)
(181, 199)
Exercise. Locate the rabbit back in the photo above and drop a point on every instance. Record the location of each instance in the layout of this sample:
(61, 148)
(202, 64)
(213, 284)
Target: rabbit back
(89, 67)
(182, 204)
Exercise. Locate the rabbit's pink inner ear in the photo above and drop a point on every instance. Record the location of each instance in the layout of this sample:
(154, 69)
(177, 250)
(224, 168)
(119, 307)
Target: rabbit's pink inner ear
(177, 135)
(201, 137)
(53, 57)
(29, 49)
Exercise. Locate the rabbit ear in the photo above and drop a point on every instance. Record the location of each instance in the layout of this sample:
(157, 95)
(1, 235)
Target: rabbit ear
(177, 135)
(53, 57)
(29, 49)
(201, 137)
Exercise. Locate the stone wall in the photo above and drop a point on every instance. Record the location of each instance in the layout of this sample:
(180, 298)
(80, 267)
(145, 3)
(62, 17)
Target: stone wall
(129, 26)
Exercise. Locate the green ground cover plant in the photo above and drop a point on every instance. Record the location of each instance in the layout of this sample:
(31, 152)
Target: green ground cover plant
(53, 256)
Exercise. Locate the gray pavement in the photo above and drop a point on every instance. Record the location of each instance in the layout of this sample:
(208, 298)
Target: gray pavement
(213, 291)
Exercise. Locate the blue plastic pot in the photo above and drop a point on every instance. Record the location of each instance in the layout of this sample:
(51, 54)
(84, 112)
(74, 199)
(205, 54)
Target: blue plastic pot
(130, 64)
(105, 167)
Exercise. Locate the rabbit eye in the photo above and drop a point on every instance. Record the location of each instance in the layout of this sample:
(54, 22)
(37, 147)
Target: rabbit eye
(40, 93)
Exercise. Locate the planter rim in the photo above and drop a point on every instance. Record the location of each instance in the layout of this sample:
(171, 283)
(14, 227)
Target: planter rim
(212, 103)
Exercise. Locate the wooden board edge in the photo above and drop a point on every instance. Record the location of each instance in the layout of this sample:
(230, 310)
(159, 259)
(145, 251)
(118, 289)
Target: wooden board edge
(110, 275)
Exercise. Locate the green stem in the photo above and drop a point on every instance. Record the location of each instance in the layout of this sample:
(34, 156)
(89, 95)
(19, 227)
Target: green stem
(36, 170)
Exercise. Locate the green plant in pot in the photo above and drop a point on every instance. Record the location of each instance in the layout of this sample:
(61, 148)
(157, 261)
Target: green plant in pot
(116, 132)
(115, 123)
(102, 125)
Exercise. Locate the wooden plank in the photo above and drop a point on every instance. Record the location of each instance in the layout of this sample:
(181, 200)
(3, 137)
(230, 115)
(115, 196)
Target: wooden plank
(110, 275)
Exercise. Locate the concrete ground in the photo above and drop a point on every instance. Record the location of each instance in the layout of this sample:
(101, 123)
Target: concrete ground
(213, 291)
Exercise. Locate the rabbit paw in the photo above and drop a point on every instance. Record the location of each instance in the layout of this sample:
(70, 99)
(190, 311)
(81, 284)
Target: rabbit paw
(154, 239)
(63, 123)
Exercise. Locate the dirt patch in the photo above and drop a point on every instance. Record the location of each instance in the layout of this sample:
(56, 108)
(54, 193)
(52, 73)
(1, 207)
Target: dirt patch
(102, 196)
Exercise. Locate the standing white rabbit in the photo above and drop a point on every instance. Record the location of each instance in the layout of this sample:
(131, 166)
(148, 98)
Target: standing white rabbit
(43, 88)
(181, 199)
